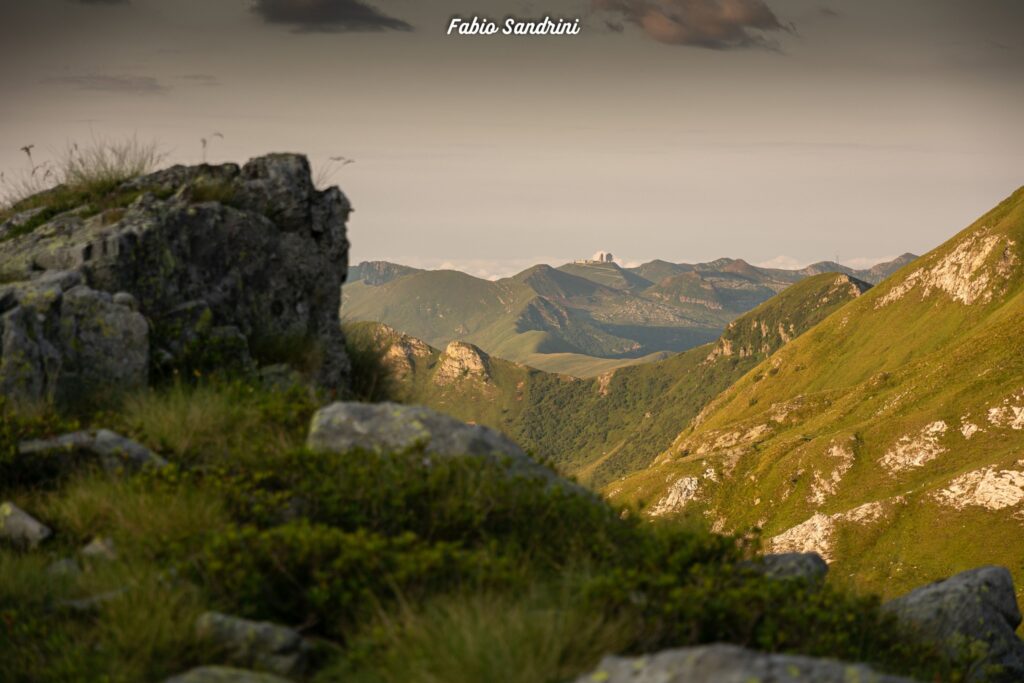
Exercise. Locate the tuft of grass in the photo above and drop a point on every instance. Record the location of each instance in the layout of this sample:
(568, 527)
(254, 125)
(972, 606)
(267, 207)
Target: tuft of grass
(372, 379)
(547, 635)
(146, 519)
(213, 420)
(105, 164)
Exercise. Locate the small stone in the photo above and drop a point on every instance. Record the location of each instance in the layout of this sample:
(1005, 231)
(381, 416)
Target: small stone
(808, 566)
(257, 644)
(116, 450)
(100, 549)
(127, 300)
(21, 528)
(64, 567)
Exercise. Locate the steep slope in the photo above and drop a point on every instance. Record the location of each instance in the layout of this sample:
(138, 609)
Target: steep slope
(608, 274)
(889, 437)
(379, 272)
(617, 423)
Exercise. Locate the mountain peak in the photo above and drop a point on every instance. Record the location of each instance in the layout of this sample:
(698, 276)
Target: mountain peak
(461, 361)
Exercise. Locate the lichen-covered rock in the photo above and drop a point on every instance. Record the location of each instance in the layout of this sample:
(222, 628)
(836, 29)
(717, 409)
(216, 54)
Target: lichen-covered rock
(224, 674)
(61, 340)
(976, 606)
(219, 258)
(257, 644)
(20, 528)
(390, 427)
(730, 664)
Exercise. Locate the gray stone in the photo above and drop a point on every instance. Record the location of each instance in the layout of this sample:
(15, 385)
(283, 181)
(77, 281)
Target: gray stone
(113, 450)
(390, 427)
(100, 549)
(127, 300)
(256, 644)
(266, 257)
(808, 566)
(223, 674)
(975, 606)
(20, 528)
(730, 664)
(61, 340)
(64, 567)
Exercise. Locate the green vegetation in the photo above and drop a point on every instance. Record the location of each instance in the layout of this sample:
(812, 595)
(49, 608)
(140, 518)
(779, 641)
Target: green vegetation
(891, 428)
(395, 560)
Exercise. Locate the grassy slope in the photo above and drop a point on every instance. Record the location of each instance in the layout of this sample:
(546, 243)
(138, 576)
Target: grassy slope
(870, 375)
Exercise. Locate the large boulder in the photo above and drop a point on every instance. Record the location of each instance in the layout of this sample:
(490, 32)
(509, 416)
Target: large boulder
(62, 340)
(975, 607)
(257, 644)
(221, 260)
(390, 427)
(806, 566)
(730, 664)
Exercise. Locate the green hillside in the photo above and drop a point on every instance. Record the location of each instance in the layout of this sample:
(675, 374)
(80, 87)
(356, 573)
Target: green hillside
(605, 427)
(885, 437)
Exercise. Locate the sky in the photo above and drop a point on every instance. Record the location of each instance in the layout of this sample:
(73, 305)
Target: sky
(778, 131)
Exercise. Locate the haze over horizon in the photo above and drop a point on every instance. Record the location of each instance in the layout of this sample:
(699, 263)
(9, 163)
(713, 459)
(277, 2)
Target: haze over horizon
(783, 132)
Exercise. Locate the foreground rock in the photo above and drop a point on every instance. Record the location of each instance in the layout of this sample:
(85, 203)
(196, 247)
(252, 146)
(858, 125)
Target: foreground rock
(223, 674)
(730, 664)
(390, 427)
(256, 644)
(61, 340)
(977, 606)
(20, 528)
(225, 262)
(112, 450)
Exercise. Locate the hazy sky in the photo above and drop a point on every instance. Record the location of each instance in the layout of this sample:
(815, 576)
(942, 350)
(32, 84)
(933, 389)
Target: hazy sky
(779, 131)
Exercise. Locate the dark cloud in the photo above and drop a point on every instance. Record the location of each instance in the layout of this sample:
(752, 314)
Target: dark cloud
(328, 15)
(140, 85)
(715, 24)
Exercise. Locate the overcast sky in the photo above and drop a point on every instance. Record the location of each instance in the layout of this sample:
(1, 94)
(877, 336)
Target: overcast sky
(779, 131)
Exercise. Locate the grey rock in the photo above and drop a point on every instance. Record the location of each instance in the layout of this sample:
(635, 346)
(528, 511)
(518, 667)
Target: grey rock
(808, 566)
(979, 605)
(64, 567)
(113, 450)
(20, 528)
(223, 674)
(256, 644)
(266, 257)
(127, 300)
(61, 340)
(93, 603)
(390, 427)
(730, 664)
(100, 549)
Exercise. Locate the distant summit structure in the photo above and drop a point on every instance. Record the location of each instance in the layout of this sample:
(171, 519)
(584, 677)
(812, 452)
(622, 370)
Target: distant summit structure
(599, 257)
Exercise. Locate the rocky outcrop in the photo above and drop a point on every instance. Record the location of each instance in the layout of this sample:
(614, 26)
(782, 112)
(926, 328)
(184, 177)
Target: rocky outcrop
(730, 664)
(462, 361)
(808, 566)
(977, 606)
(62, 340)
(393, 428)
(221, 260)
(257, 644)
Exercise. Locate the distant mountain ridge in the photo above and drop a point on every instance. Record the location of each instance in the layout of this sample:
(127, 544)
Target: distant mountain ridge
(577, 317)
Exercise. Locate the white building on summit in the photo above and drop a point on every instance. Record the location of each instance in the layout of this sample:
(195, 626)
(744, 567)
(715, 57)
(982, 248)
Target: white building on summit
(603, 257)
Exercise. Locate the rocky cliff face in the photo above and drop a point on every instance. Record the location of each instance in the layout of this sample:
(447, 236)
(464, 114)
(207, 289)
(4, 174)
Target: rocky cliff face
(223, 261)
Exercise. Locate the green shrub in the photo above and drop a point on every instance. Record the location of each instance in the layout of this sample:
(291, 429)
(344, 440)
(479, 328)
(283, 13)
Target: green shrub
(371, 378)
(18, 424)
(323, 577)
